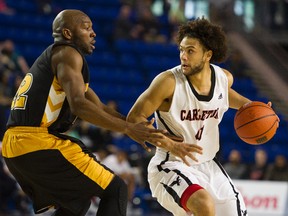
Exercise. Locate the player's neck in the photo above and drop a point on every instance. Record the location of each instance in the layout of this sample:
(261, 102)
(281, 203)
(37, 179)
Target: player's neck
(202, 81)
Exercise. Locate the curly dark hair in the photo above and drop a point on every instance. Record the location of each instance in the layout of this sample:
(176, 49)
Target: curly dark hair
(211, 36)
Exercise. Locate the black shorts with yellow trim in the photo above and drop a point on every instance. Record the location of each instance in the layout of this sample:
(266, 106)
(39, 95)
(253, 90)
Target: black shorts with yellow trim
(54, 169)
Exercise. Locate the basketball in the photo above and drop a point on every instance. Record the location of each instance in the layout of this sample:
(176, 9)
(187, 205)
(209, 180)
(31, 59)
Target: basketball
(255, 123)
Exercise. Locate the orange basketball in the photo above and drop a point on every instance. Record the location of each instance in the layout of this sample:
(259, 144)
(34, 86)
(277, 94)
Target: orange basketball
(255, 123)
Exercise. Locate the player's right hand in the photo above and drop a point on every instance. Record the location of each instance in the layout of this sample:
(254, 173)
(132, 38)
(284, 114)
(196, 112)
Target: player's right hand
(144, 132)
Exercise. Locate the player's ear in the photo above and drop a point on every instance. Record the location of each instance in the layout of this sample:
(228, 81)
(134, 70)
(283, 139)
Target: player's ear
(209, 54)
(66, 33)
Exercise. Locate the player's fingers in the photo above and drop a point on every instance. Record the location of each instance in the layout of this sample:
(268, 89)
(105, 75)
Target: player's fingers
(154, 136)
(158, 144)
(173, 137)
(278, 122)
(278, 119)
(143, 144)
(269, 103)
(185, 161)
(190, 155)
(198, 150)
(194, 148)
(152, 121)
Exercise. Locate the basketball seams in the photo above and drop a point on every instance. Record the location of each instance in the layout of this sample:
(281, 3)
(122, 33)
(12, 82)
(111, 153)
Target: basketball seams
(251, 106)
(262, 133)
(254, 120)
(251, 122)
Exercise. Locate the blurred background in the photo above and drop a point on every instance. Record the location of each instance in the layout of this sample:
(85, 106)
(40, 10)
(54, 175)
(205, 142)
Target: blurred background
(135, 42)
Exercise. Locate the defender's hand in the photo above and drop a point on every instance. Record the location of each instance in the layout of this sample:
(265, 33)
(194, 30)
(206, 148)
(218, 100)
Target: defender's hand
(174, 137)
(144, 132)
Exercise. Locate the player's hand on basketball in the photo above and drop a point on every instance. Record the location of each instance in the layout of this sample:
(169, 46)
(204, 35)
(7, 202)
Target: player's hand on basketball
(144, 132)
(270, 104)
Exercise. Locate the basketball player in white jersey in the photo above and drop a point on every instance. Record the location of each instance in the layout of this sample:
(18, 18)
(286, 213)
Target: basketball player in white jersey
(189, 101)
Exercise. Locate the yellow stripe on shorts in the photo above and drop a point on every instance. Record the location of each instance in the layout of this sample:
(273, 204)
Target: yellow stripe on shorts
(18, 141)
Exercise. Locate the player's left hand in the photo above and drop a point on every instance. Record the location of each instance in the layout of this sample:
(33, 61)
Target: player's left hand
(174, 137)
(180, 149)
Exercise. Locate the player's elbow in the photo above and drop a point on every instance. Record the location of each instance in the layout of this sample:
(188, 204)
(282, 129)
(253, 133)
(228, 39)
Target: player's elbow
(131, 117)
(76, 105)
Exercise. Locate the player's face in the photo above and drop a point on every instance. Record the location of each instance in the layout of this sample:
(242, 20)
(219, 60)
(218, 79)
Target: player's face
(83, 36)
(192, 56)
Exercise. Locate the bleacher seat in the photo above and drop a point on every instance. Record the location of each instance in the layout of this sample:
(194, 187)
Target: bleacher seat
(121, 69)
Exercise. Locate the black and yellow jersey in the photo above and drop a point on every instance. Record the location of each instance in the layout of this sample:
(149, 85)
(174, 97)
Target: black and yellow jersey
(40, 101)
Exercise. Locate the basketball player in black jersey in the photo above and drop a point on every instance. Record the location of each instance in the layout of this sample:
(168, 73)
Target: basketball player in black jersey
(56, 170)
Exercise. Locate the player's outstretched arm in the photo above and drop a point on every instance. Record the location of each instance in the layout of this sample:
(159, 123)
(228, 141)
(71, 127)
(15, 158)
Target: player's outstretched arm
(171, 143)
(67, 64)
(150, 101)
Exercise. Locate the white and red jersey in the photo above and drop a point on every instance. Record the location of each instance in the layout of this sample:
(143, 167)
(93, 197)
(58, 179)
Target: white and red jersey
(196, 117)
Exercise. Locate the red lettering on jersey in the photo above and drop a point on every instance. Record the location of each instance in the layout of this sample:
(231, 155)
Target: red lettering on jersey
(197, 114)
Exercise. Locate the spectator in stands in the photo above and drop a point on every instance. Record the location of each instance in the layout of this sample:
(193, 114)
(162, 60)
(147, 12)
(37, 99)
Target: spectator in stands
(148, 25)
(222, 12)
(7, 90)
(177, 12)
(4, 9)
(102, 153)
(275, 14)
(237, 64)
(14, 61)
(257, 171)
(234, 167)
(6, 96)
(115, 106)
(10, 79)
(44, 6)
(94, 137)
(119, 163)
(124, 25)
(278, 171)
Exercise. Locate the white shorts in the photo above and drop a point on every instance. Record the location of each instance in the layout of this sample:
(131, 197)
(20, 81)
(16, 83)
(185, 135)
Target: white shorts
(169, 179)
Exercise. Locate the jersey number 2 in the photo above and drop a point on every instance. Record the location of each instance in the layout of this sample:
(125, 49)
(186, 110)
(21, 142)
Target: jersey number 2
(20, 99)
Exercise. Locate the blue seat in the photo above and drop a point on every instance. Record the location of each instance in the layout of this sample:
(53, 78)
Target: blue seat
(102, 13)
(102, 58)
(126, 46)
(22, 6)
(128, 60)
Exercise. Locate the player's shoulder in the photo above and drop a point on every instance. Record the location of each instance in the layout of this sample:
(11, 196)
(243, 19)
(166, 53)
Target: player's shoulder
(165, 78)
(66, 53)
(65, 49)
(172, 72)
(225, 73)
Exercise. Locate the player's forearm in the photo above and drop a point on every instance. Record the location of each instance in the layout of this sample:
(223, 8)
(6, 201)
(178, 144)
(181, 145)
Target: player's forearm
(91, 96)
(236, 100)
(96, 115)
(135, 117)
(114, 113)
